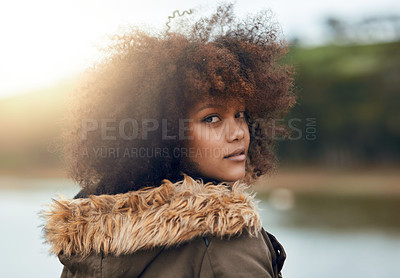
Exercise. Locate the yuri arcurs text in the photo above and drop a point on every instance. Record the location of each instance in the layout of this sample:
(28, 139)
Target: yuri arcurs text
(147, 152)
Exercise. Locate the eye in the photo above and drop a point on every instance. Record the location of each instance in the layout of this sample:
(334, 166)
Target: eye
(211, 119)
(241, 114)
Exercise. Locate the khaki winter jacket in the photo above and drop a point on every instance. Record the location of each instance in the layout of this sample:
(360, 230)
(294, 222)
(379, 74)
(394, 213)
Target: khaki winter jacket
(183, 229)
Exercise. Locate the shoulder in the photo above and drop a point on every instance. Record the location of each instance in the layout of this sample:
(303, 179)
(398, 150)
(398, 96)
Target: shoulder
(245, 256)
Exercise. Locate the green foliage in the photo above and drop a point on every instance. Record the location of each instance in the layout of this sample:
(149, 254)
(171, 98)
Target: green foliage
(354, 94)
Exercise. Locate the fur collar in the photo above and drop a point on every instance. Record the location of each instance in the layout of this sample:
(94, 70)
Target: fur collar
(154, 217)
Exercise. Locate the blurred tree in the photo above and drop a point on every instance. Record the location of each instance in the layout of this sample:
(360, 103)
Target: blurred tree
(337, 28)
(353, 92)
(373, 29)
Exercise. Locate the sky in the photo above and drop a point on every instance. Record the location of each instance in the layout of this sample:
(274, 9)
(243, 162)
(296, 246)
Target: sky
(46, 41)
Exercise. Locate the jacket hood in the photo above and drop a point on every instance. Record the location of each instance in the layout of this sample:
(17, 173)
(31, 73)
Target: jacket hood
(162, 216)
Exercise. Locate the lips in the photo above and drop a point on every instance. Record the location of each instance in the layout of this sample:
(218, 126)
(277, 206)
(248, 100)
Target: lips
(237, 152)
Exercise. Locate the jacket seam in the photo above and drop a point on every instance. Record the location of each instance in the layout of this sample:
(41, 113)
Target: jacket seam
(202, 261)
(148, 265)
(209, 260)
(101, 265)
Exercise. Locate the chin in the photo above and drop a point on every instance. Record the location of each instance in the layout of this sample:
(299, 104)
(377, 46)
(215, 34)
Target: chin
(234, 176)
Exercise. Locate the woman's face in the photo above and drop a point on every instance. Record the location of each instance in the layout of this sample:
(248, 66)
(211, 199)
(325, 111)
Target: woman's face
(219, 139)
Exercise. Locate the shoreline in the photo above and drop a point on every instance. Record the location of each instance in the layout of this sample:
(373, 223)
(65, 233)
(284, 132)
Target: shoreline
(299, 180)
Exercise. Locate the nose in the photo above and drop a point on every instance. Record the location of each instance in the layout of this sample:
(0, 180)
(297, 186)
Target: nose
(235, 130)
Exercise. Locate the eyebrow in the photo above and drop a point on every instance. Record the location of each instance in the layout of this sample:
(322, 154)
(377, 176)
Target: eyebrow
(210, 105)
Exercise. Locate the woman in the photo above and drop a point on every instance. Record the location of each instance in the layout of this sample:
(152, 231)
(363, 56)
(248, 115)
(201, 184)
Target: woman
(167, 131)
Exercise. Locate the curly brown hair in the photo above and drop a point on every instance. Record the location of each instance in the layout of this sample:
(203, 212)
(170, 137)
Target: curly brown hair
(146, 83)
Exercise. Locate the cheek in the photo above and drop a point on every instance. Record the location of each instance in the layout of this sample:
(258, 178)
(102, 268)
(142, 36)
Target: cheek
(246, 137)
(204, 137)
(196, 137)
(207, 146)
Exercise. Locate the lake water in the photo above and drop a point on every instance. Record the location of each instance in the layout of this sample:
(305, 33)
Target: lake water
(324, 236)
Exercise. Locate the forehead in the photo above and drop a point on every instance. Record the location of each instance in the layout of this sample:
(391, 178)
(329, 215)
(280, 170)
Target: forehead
(217, 103)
